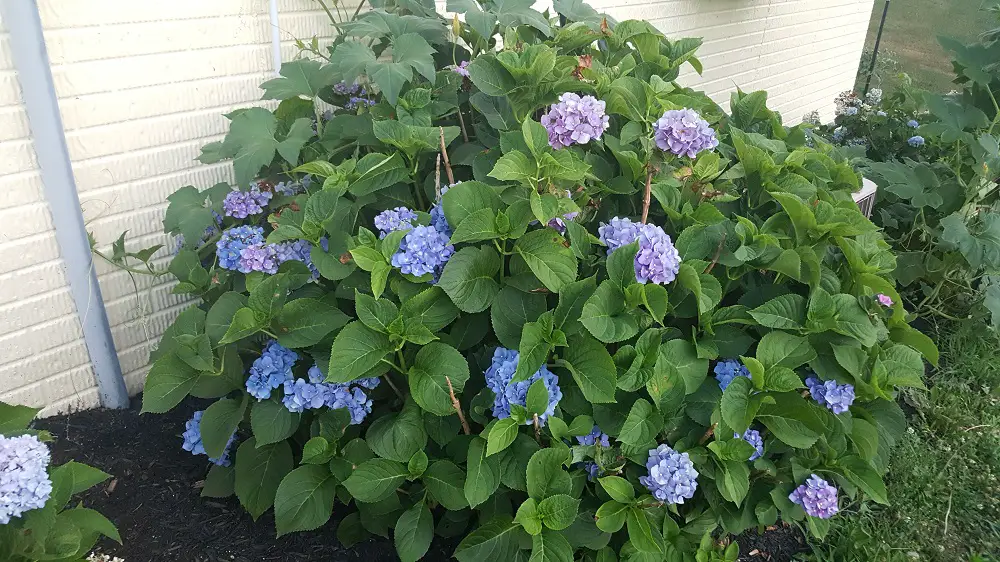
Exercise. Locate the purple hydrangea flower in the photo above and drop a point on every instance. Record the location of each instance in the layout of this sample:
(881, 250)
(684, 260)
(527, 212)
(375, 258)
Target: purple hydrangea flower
(672, 477)
(242, 204)
(24, 477)
(657, 260)
(233, 241)
(299, 250)
(884, 300)
(301, 395)
(836, 397)
(500, 376)
(389, 220)
(915, 141)
(752, 436)
(728, 369)
(258, 257)
(270, 370)
(345, 89)
(912, 123)
(575, 120)
(461, 68)
(356, 102)
(592, 469)
(291, 188)
(594, 437)
(817, 497)
(684, 133)
(618, 232)
(423, 250)
(193, 443)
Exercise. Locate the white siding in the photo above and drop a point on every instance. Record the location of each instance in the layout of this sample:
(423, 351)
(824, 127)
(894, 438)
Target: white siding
(143, 85)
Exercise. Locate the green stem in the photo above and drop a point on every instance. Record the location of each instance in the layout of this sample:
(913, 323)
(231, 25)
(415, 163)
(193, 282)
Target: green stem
(996, 109)
(358, 10)
(129, 269)
(402, 362)
(329, 14)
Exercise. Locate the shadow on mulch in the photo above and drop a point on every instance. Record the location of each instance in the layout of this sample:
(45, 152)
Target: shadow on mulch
(154, 499)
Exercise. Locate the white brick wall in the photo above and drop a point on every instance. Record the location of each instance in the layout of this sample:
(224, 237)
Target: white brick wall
(143, 85)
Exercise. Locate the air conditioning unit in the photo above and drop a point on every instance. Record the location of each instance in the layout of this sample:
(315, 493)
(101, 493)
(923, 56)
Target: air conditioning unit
(866, 197)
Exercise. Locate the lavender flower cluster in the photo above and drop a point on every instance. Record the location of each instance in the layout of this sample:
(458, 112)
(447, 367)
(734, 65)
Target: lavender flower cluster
(752, 436)
(817, 497)
(291, 187)
(672, 477)
(499, 379)
(424, 249)
(462, 69)
(193, 443)
(243, 249)
(438, 220)
(242, 204)
(728, 369)
(657, 260)
(575, 120)
(389, 220)
(24, 477)
(345, 89)
(270, 370)
(315, 393)
(915, 141)
(683, 132)
(598, 438)
(835, 397)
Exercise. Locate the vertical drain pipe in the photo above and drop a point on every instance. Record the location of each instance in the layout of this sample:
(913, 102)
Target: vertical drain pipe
(275, 37)
(32, 63)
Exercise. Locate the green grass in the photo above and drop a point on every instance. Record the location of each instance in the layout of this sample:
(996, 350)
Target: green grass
(909, 42)
(944, 478)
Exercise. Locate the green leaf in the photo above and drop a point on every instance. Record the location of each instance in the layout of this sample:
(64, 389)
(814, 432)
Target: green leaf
(527, 516)
(168, 382)
(378, 171)
(377, 314)
(302, 77)
(220, 316)
(244, 325)
(272, 422)
(784, 350)
(678, 360)
(494, 541)
(252, 140)
(787, 312)
(862, 475)
(479, 226)
(592, 368)
(219, 422)
(515, 166)
(414, 532)
(304, 500)
(558, 511)
(618, 488)
(610, 517)
(852, 320)
(72, 478)
(735, 481)
(356, 350)
(267, 298)
(644, 536)
(469, 278)
(196, 351)
(910, 337)
(571, 300)
(501, 436)
(305, 322)
(903, 365)
(546, 476)
(431, 307)
(490, 76)
(376, 479)
(468, 198)
(549, 258)
(434, 365)
(446, 484)
(484, 473)
(533, 350)
(604, 315)
(259, 471)
(512, 309)
(537, 400)
(495, 109)
(621, 265)
(790, 419)
(641, 425)
(15, 418)
(398, 436)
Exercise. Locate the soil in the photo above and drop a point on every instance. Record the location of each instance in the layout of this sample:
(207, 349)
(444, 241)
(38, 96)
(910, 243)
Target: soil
(154, 499)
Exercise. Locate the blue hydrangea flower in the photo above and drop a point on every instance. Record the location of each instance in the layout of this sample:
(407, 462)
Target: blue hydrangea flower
(389, 220)
(912, 123)
(499, 379)
(592, 469)
(242, 204)
(657, 260)
(24, 477)
(752, 436)
(851, 111)
(270, 370)
(594, 437)
(575, 120)
(291, 188)
(915, 141)
(835, 397)
(193, 443)
(358, 102)
(728, 369)
(233, 241)
(423, 250)
(683, 132)
(354, 399)
(618, 232)
(838, 134)
(817, 497)
(299, 250)
(301, 395)
(672, 477)
(258, 257)
(881, 114)
(345, 89)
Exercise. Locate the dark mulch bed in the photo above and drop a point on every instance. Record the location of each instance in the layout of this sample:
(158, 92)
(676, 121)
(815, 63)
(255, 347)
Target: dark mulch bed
(154, 499)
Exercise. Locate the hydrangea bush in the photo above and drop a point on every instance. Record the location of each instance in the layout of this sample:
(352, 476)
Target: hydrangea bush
(530, 269)
(35, 523)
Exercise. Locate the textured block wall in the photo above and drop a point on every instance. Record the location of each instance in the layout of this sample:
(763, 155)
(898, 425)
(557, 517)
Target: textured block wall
(143, 85)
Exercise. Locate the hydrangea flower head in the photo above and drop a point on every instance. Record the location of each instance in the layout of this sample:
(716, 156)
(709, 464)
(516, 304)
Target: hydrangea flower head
(817, 497)
(850, 111)
(728, 369)
(915, 141)
(575, 120)
(356, 102)
(193, 443)
(838, 134)
(912, 123)
(884, 300)
(461, 68)
(291, 188)
(301, 395)
(299, 250)
(345, 89)
(657, 260)
(258, 257)
(389, 220)
(752, 436)
(672, 477)
(270, 370)
(233, 241)
(499, 379)
(24, 477)
(835, 397)
(618, 232)
(881, 114)
(594, 437)
(874, 96)
(242, 204)
(683, 132)
(423, 250)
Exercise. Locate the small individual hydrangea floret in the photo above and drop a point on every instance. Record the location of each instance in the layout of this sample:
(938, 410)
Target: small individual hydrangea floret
(683, 132)
(912, 123)
(594, 437)
(672, 477)
(575, 120)
(884, 300)
(259, 257)
(193, 443)
(389, 220)
(728, 369)
(270, 370)
(817, 497)
(835, 397)
(24, 477)
(752, 436)
(242, 204)
(499, 379)
(423, 250)
(230, 246)
(461, 68)
(915, 141)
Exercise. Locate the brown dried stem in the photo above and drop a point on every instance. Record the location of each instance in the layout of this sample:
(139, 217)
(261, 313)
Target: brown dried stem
(458, 407)
(718, 252)
(646, 194)
(461, 123)
(447, 163)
